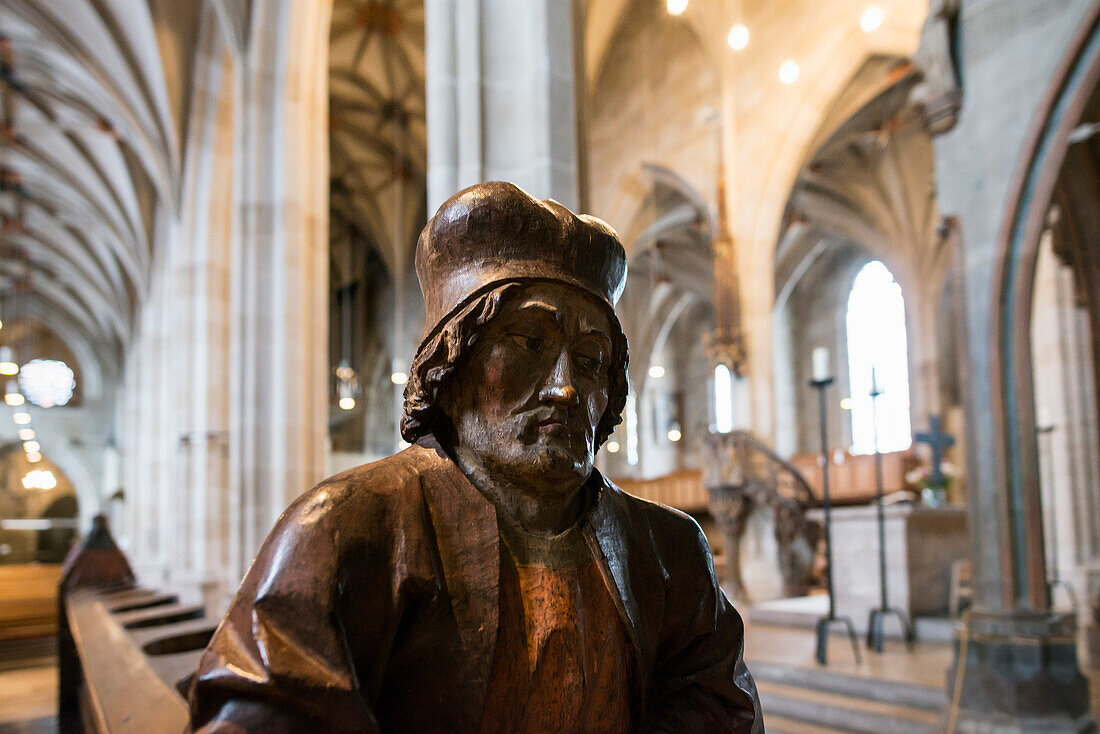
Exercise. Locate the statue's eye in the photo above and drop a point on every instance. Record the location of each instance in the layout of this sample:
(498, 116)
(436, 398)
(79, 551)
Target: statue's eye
(529, 344)
(589, 363)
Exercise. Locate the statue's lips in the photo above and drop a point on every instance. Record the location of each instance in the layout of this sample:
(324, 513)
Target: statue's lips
(552, 423)
(552, 426)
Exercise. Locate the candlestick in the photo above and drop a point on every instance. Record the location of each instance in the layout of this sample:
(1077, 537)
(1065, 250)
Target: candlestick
(820, 360)
(874, 622)
(831, 619)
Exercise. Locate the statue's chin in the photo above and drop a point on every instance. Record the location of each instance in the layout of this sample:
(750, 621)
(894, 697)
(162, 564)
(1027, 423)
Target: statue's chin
(551, 468)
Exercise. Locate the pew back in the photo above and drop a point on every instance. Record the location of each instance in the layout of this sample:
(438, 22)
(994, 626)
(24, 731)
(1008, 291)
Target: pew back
(130, 659)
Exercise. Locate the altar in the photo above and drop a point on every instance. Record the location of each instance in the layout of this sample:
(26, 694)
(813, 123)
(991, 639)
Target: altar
(922, 543)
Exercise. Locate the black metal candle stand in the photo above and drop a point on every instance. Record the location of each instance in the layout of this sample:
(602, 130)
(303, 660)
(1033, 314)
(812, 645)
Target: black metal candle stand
(831, 619)
(874, 621)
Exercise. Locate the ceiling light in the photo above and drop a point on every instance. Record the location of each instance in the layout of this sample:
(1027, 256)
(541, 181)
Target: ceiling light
(13, 397)
(656, 371)
(7, 362)
(846, 404)
(347, 403)
(788, 72)
(34, 458)
(399, 378)
(47, 382)
(26, 434)
(674, 434)
(32, 447)
(613, 447)
(21, 418)
(677, 7)
(39, 479)
(871, 19)
(738, 37)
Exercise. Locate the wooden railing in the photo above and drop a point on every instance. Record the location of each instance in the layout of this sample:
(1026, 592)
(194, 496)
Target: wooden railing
(130, 660)
(740, 459)
(852, 476)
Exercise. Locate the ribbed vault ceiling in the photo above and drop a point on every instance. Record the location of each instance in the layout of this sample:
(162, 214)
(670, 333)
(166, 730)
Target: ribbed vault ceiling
(91, 128)
(870, 183)
(378, 136)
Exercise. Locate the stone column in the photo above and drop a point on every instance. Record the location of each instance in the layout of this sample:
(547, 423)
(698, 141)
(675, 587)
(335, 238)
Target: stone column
(1017, 667)
(202, 279)
(278, 363)
(226, 416)
(500, 95)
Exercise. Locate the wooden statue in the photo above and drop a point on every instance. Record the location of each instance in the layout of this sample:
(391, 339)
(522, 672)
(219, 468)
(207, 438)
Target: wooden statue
(489, 579)
(96, 561)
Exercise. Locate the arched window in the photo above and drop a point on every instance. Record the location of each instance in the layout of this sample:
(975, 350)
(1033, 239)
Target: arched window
(631, 420)
(723, 399)
(877, 342)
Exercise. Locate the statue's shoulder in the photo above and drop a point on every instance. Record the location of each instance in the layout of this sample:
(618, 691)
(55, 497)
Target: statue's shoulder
(390, 474)
(386, 485)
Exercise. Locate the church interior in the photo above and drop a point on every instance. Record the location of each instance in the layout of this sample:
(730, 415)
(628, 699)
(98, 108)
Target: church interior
(862, 307)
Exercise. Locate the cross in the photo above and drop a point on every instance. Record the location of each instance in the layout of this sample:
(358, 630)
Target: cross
(938, 441)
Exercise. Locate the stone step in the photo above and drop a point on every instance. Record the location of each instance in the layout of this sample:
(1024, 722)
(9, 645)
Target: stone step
(843, 713)
(804, 612)
(912, 695)
(780, 725)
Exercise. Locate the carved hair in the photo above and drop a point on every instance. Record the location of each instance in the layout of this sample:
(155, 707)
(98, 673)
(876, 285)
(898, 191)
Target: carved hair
(443, 351)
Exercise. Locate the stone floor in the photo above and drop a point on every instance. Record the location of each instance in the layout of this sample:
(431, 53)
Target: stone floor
(899, 691)
(896, 692)
(28, 686)
(925, 665)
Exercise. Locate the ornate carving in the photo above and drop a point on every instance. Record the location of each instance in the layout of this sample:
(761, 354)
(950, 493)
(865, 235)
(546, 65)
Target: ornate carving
(743, 476)
(938, 96)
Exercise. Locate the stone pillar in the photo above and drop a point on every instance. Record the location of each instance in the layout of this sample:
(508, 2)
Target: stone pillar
(500, 96)
(1017, 668)
(279, 354)
(225, 420)
(203, 278)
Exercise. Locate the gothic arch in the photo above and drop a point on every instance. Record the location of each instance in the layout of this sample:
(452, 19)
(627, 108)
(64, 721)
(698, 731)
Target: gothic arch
(1032, 190)
(668, 247)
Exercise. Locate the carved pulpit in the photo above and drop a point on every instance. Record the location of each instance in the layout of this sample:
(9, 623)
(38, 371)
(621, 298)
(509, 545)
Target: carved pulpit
(755, 495)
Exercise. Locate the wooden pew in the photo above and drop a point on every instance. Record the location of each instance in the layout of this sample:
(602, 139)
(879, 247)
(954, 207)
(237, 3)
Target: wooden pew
(135, 652)
(28, 600)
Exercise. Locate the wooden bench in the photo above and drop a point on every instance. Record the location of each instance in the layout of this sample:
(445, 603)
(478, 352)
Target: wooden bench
(132, 656)
(852, 476)
(28, 600)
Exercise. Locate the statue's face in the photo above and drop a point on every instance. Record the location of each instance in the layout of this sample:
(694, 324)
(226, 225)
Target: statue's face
(529, 396)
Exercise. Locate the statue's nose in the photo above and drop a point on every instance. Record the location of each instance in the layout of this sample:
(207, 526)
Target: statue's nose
(559, 387)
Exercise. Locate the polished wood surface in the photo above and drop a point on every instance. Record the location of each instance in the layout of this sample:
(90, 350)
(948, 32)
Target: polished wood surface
(683, 490)
(852, 476)
(123, 693)
(28, 600)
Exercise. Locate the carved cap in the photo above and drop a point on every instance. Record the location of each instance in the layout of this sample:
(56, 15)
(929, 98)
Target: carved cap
(495, 232)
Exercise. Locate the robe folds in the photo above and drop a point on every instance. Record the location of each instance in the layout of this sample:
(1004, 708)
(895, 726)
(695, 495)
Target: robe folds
(373, 607)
